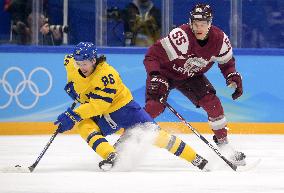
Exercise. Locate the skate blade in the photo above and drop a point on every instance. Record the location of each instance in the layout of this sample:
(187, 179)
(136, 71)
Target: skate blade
(206, 169)
(106, 167)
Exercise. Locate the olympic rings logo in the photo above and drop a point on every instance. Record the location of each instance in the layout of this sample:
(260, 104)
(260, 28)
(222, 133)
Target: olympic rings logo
(22, 85)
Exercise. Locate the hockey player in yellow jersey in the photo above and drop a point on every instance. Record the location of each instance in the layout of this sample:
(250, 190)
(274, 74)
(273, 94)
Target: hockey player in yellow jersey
(106, 105)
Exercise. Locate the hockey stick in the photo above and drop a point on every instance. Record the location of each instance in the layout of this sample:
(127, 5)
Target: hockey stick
(31, 168)
(233, 166)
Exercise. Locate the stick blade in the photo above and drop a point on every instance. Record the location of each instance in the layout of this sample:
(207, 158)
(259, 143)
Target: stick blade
(15, 169)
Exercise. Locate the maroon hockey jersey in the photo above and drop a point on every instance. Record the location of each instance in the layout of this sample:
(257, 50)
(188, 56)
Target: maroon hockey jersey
(178, 56)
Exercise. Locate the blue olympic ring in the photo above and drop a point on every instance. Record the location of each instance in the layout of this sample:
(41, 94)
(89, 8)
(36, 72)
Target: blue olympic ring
(26, 82)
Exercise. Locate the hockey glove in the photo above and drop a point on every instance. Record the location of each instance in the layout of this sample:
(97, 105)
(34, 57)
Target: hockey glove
(158, 87)
(67, 120)
(234, 80)
(69, 88)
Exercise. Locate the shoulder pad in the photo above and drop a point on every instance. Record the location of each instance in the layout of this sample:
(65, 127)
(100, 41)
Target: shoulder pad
(176, 41)
(67, 59)
(180, 39)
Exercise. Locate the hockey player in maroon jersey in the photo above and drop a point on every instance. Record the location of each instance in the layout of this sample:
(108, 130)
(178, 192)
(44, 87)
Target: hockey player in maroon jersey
(179, 61)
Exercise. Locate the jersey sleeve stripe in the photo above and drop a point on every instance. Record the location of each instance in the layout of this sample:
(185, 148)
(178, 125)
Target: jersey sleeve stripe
(226, 52)
(95, 96)
(224, 58)
(107, 90)
(172, 54)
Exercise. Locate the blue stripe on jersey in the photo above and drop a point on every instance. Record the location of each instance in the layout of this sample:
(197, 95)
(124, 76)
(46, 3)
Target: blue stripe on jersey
(107, 90)
(98, 142)
(180, 148)
(92, 135)
(95, 96)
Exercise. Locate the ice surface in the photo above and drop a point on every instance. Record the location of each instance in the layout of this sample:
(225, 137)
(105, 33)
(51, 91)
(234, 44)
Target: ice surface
(70, 166)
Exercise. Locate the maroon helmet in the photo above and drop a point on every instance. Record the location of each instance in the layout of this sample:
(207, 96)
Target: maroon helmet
(201, 12)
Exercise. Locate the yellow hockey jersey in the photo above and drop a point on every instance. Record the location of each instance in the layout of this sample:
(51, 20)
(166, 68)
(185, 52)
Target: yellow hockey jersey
(103, 92)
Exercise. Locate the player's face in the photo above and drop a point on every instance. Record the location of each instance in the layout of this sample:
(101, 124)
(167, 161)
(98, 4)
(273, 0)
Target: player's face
(86, 66)
(200, 29)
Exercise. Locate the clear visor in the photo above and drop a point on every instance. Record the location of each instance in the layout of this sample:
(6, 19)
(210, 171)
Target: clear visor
(84, 63)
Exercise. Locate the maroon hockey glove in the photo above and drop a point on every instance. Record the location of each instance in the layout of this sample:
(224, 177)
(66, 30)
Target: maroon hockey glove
(234, 80)
(157, 87)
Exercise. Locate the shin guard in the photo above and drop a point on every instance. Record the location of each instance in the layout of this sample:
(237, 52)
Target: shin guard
(90, 132)
(217, 121)
(175, 145)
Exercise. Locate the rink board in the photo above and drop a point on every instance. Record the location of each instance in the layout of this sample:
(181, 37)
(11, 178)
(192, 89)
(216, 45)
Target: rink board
(38, 128)
(32, 96)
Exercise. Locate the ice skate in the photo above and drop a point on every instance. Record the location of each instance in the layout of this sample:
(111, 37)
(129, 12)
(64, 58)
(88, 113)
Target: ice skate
(108, 163)
(236, 157)
(201, 163)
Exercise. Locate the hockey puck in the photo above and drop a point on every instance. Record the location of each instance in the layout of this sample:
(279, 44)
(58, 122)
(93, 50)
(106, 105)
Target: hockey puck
(18, 166)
